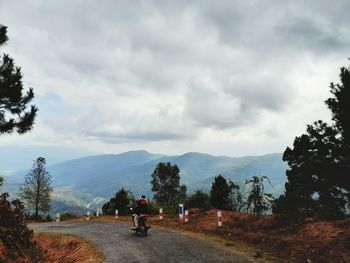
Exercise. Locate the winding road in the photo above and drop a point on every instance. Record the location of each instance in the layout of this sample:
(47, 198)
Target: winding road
(120, 244)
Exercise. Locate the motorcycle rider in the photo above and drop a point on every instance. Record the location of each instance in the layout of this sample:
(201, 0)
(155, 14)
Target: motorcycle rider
(140, 209)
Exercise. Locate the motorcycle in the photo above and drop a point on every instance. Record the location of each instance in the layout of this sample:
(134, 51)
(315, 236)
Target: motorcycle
(142, 227)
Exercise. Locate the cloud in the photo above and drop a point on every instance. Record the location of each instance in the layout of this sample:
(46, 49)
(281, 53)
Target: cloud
(178, 74)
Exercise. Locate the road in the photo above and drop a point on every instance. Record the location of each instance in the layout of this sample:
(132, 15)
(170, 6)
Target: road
(120, 244)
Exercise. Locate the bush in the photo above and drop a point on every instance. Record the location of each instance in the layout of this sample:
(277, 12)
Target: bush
(67, 216)
(199, 200)
(40, 218)
(15, 236)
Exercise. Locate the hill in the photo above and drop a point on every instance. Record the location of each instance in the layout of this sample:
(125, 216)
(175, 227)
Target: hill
(93, 179)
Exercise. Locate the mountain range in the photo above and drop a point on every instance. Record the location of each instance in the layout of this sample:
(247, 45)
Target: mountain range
(90, 181)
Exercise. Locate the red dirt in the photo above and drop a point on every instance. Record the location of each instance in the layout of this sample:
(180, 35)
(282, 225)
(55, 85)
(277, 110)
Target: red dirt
(67, 248)
(320, 241)
(62, 248)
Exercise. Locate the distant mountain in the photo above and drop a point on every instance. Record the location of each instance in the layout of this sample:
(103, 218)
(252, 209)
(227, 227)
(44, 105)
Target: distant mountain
(90, 171)
(20, 157)
(90, 180)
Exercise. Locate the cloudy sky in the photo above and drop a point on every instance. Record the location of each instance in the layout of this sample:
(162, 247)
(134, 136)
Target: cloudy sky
(223, 77)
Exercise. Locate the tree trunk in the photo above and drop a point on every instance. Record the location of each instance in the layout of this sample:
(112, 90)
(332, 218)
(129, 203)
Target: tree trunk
(36, 212)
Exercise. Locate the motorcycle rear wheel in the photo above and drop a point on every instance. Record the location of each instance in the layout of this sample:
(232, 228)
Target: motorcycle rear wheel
(143, 228)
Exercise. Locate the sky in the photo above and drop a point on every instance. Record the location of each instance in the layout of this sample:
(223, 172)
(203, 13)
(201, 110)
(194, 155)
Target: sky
(223, 77)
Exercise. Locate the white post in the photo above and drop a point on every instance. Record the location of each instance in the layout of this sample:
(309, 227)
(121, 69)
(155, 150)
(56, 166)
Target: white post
(116, 214)
(181, 212)
(161, 214)
(97, 213)
(58, 217)
(219, 214)
(186, 216)
(88, 215)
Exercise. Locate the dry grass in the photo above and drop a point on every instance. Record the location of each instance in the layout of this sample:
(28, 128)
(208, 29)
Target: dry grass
(62, 248)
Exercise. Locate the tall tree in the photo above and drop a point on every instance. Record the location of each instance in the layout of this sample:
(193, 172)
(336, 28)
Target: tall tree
(220, 193)
(13, 103)
(166, 184)
(258, 201)
(36, 190)
(15, 236)
(318, 178)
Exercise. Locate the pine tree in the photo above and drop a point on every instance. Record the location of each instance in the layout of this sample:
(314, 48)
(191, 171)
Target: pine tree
(36, 190)
(15, 236)
(13, 103)
(318, 178)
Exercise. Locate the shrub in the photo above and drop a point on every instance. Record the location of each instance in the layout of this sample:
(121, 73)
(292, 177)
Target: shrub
(67, 216)
(199, 200)
(15, 236)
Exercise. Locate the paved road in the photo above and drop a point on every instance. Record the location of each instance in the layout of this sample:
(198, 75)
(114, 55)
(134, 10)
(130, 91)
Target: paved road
(120, 244)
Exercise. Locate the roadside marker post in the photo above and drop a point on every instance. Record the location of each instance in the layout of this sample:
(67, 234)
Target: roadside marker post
(219, 214)
(88, 215)
(58, 217)
(116, 214)
(181, 212)
(97, 213)
(160, 213)
(186, 216)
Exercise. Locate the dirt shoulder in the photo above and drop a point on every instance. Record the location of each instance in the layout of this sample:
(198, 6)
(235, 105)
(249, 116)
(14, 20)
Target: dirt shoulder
(266, 237)
(62, 248)
(67, 248)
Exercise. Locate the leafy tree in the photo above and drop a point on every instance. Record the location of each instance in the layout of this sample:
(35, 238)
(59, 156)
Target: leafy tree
(13, 103)
(166, 184)
(199, 200)
(36, 190)
(258, 201)
(220, 193)
(236, 198)
(122, 200)
(14, 233)
(318, 178)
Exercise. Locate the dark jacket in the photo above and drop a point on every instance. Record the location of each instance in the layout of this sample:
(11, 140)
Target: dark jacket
(141, 207)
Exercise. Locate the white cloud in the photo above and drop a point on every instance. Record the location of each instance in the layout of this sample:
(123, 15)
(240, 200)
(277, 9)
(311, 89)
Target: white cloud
(226, 77)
